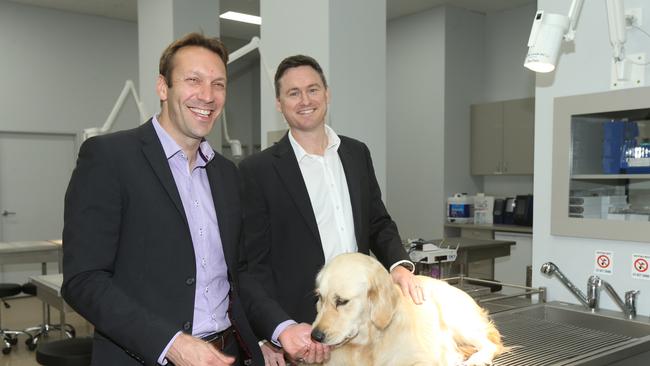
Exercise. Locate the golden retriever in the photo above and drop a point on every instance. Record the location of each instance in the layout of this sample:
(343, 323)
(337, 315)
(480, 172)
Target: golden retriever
(367, 320)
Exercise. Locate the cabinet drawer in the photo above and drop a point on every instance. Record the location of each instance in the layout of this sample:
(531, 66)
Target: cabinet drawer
(476, 234)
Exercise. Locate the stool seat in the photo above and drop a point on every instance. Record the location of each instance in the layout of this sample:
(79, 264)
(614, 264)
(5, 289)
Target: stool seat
(29, 288)
(10, 289)
(65, 352)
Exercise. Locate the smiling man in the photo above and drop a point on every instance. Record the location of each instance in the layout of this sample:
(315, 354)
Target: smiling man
(308, 198)
(152, 228)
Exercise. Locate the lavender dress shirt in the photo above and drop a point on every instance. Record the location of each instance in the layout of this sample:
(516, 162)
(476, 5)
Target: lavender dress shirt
(212, 286)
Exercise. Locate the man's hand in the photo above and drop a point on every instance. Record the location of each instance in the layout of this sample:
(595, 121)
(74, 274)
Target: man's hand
(298, 345)
(273, 356)
(318, 353)
(407, 282)
(189, 351)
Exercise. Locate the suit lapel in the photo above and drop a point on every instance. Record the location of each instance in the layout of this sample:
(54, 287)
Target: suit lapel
(287, 168)
(155, 154)
(353, 177)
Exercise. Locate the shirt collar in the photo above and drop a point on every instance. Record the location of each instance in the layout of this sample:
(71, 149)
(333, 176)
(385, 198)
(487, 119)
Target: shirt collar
(171, 148)
(333, 142)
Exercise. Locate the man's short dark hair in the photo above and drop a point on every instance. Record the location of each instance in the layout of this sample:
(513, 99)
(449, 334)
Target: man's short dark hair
(296, 61)
(213, 44)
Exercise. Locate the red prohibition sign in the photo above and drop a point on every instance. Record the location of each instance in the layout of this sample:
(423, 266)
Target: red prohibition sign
(641, 265)
(603, 261)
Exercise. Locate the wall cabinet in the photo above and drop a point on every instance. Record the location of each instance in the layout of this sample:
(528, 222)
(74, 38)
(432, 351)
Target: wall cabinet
(601, 165)
(502, 137)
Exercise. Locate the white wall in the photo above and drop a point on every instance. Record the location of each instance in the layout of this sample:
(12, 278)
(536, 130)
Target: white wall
(62, 72)
(286, 31)
(506, 36)
(439, 62)
(583, 68)
(415, 72)
(464, 82)
(358, 76)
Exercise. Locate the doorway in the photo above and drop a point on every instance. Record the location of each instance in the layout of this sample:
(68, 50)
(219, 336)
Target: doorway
(34, 172)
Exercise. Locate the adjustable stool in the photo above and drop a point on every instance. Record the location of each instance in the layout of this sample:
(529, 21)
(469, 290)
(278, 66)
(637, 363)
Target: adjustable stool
(9, 337)
(42, 330)
(65, 352)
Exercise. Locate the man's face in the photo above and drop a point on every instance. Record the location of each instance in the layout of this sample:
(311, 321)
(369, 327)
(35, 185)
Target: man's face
(197, 95)
(303, 98)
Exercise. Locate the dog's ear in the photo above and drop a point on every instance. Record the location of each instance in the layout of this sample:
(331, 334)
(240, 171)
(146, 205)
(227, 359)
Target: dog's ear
(383, 298)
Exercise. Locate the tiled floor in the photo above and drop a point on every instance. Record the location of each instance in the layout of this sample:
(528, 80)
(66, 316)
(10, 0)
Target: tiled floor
(27, 312)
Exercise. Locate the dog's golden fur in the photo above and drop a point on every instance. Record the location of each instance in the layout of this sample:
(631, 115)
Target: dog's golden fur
(368, 321)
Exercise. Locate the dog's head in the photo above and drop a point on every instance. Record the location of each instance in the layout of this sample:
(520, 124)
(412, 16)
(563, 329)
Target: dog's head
(354, 293)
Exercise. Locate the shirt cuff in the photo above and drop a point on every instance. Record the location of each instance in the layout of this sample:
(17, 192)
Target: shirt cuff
(279, 329)
(162, 360)
(404, 263)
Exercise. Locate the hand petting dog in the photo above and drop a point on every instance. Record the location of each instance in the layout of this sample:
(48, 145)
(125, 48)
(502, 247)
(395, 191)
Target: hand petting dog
(408, 283)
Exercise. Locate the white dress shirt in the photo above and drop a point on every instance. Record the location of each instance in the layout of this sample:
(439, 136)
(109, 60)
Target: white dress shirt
(329, 195)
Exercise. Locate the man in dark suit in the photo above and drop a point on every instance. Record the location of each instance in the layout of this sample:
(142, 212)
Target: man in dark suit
(152, 228)
(308, 198)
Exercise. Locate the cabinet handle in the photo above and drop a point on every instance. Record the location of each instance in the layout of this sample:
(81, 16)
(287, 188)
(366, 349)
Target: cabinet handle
(498, 168)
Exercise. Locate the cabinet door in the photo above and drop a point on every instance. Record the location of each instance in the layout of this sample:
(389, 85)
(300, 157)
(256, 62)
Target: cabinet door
(518, 136)
(486, 138)
(512, 269)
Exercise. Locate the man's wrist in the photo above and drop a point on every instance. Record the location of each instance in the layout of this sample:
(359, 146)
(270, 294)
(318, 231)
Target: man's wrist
(279, 329)
(404, 263)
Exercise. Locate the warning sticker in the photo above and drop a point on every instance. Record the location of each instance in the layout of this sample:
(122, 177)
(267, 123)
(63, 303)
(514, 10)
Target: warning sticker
(640, 268)
(604, 262)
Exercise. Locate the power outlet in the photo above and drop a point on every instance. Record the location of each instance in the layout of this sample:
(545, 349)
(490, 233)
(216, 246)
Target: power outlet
(634, 17)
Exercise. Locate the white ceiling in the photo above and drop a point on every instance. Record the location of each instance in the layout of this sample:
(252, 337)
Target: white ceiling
(128, 9)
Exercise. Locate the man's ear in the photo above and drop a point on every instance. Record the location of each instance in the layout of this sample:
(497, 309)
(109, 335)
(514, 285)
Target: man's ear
(278, 106)
(383, 298)
(161, 88)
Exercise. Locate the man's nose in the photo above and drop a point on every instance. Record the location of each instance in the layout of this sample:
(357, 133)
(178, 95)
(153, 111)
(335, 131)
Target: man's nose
(206, 93)
(304, 98)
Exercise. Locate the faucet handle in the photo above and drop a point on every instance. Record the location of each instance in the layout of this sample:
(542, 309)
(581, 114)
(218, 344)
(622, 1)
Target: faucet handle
(630, 296)
(630, 303)
(593, 291)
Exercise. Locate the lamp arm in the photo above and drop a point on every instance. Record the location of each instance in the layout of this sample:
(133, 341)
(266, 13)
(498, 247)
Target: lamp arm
(235, 145)
(574, 14)
(108, 124)
(245, 49)
(617, 32)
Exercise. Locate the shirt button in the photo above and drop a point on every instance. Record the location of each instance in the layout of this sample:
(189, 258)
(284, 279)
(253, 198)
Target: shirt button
(187, 326)
(206, 290)
(189, 281)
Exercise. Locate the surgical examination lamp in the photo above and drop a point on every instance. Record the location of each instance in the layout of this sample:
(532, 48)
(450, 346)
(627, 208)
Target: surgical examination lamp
(550, 29)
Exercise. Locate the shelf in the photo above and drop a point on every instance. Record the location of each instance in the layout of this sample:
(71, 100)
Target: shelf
(588, 134)
(610, 176)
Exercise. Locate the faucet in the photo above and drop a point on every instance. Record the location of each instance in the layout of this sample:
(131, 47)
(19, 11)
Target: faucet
(628, 306)
(550, 268)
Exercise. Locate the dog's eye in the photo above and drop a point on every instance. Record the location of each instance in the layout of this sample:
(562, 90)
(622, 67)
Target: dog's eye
(341, 302)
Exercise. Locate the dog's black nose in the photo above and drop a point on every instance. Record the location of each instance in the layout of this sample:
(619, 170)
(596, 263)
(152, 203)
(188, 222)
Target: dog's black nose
(317, 335)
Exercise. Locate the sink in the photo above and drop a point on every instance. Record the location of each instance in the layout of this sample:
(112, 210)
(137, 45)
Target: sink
(557, 333)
